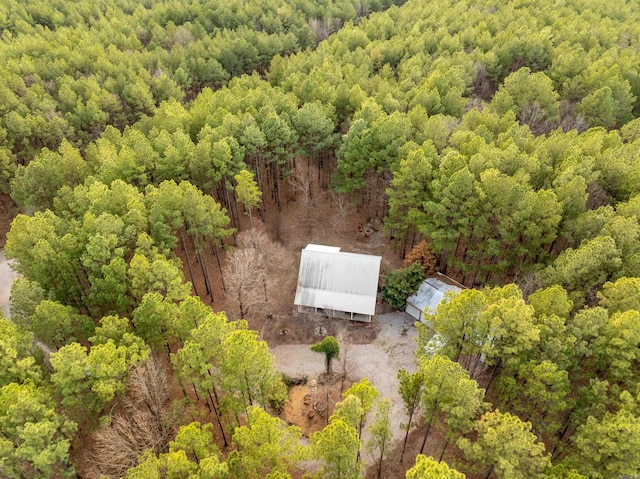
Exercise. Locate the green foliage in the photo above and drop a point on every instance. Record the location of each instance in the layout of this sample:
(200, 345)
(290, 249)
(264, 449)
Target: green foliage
(336, 446)
(507, 445)
(57, 325)
(248, 370)
(371, 145)
(267, 446)
(87, 381)
(459, 322)
(17, 363)
(410, 390)
(330, 348)
(621, 295)
(25, 296)
(428, 468)
(410, 186)
(85, 70)
(552, 311)
(94, 130)
(365, 391)
(35, 437)
(511, 327)
(314, 127)
(538, 392)
(380, 441)
(196, 441)
(100, 252)
(37, 184)
(225, 359)
(247, 190)
(367, 395)
(448, 389)
(400, 284)
(587, 266)
(553, 301)
(530, 96)
(192, 452)
(152, 320)
(608, 447)
(350, 410)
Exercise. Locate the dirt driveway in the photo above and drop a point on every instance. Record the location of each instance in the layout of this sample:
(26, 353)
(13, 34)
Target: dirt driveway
(379, 361)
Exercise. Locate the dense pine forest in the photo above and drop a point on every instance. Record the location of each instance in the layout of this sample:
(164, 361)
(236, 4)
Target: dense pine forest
(139, 140)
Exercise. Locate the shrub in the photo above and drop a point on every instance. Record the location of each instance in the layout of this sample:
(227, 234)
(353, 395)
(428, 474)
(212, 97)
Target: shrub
(400, 284)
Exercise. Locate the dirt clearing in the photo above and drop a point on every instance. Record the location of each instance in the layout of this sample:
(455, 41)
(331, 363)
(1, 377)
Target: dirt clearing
(390, 350)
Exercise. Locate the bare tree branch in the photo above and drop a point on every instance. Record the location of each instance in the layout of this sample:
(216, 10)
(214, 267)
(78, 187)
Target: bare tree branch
(343, 209)
(142, 422)
(258, 266)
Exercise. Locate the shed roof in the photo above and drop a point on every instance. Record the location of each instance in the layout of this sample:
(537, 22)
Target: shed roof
(430, 293)
(332, 279)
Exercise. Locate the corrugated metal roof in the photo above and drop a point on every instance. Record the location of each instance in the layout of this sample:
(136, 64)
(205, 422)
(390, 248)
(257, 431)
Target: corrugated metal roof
(322, 248)
(430, 294)
(338, 280)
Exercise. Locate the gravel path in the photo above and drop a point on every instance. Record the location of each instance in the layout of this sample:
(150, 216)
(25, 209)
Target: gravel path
(379, 361)
(7, 275)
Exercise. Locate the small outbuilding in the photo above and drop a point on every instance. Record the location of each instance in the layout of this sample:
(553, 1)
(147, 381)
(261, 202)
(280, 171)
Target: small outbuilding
(337, 284)
(429, 295)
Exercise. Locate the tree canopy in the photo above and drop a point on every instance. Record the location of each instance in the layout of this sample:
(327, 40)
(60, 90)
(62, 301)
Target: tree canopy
(503, 135)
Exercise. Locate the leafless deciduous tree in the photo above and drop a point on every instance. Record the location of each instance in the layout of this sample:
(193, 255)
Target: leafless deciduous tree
(143, 421)
(302, 182)
(256, 267)
(276, 262)
(243, 279)
(528, 283)
(323, 28)
(342, 208)
(570, 119)
(534, 116)
(346, 364)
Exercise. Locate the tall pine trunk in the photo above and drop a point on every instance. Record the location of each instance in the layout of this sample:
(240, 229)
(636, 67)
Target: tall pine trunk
(431, 416)
(406, 436)
(186, 254)
(217, 256)
(446, 443)
(489, 473)
(217, 414)
(277, 180)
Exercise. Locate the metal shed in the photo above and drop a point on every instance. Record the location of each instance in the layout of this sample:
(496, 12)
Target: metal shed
(429, 295)
(337, 284)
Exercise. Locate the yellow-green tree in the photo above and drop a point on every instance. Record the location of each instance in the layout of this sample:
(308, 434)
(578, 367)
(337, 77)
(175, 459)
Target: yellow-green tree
(428, 468)
(336, 446)
(247, 192)
(507, 445)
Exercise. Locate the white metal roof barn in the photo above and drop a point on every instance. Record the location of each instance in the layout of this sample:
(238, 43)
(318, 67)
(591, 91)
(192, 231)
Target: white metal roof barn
(429, 295)
(337, 284)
